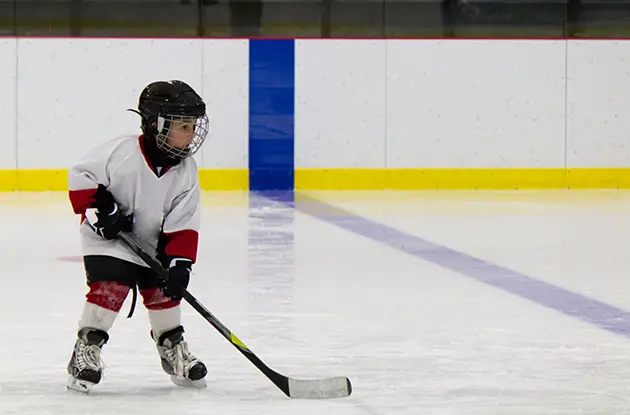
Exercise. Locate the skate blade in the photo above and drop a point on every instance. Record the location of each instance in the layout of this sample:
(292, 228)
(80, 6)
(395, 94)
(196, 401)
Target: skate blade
(187, 383)
(78, 385)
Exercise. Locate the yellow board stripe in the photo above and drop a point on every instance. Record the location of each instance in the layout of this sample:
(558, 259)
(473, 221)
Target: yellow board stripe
(451, 179)
(34, 180)
(224, 179)
(57, 180)
(369, 179)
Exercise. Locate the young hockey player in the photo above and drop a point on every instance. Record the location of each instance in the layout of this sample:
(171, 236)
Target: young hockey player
(147, 185)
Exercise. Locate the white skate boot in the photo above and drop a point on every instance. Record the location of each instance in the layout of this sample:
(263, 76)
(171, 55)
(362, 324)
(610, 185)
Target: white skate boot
(183, 368)
(85, 368)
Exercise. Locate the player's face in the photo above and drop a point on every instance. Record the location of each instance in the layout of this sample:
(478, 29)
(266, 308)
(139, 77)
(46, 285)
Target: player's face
(181, 133)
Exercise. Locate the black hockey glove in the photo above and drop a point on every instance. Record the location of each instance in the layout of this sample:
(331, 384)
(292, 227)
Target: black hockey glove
(105, 217)
(178, 278)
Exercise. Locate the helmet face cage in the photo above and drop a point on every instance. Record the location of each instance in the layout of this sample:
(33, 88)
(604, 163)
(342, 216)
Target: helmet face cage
(175, 116)
(170, 125)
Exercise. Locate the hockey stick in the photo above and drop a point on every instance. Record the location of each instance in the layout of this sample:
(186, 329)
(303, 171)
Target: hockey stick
(328, 388)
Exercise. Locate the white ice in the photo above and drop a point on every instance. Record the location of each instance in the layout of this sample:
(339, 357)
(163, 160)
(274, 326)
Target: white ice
(313, 300)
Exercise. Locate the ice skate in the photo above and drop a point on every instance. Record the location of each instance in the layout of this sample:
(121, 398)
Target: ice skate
(85, 368)
(183, 368)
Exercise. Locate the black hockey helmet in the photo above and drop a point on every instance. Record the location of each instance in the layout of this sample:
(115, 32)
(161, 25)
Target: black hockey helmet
(167, 104)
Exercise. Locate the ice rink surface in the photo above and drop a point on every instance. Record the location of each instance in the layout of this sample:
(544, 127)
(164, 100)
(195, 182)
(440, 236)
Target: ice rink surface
(430, 302)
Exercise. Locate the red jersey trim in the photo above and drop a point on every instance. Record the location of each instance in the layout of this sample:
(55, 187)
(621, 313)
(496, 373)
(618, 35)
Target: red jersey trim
(82, 199)
(182, 244)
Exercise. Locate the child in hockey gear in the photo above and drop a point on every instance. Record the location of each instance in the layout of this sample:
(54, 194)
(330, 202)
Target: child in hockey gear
(147, 185)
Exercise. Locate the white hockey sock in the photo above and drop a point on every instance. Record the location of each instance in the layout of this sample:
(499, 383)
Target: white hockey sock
(97, 317)
(165, 320)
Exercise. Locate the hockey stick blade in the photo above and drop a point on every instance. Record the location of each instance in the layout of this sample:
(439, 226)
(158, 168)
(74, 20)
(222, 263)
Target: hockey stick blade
(331, 388)
(328, 388)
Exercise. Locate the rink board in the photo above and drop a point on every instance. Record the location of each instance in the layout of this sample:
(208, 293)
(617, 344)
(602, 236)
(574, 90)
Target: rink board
(339, 114)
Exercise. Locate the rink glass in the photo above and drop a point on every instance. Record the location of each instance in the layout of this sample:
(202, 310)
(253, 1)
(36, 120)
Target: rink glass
(318, 18)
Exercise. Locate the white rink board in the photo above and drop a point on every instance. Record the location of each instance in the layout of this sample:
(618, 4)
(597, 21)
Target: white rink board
(225, 82)
(462, 104)
(358, 103)
(81, 98)
(8, 112)
(340, 103)
(599, 99)
(475, 104)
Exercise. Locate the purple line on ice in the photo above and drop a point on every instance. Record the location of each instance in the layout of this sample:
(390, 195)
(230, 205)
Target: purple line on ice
(560, 299)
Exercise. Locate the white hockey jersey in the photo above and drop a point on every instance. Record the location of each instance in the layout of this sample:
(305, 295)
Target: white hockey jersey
(166, 204)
